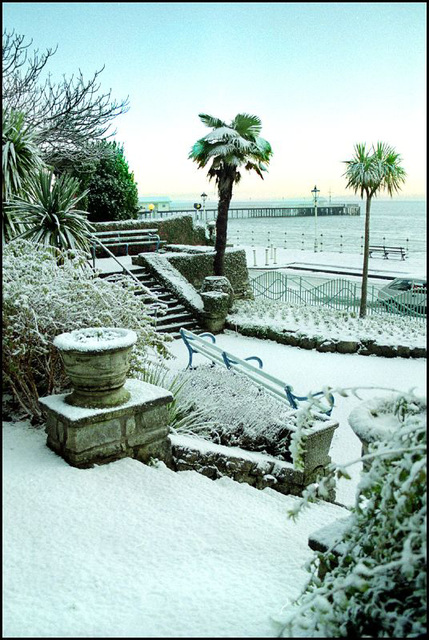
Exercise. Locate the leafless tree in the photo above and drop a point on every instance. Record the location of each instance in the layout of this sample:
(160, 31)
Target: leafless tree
(68, 115)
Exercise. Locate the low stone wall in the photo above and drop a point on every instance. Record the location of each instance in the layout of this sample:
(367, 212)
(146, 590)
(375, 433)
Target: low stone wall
(256, 469)
(324, 345)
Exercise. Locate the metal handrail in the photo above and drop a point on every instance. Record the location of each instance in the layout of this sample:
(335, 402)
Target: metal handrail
(123, 267)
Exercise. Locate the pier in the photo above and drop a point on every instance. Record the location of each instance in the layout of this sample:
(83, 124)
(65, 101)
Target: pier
(294, 211)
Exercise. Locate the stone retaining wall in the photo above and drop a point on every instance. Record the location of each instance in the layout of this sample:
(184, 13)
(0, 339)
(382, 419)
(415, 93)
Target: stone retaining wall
(256, 469)
(325, 345)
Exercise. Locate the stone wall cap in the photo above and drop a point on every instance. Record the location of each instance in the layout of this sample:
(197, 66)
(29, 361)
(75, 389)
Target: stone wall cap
(207, 446)
(141, 393)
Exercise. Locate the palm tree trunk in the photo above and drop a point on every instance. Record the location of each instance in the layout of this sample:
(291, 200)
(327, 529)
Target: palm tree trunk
(364, 293)
(225, 195)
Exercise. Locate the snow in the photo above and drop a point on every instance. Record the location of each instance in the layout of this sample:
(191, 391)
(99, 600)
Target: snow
(308, 371)
(140, 392)
(129, 550)
(95, 339)
(298, 261)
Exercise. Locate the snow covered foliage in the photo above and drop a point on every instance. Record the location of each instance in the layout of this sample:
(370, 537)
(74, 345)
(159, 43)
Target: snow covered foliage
(233, 411)
(328, 323)
(42, 299)
(375, 586)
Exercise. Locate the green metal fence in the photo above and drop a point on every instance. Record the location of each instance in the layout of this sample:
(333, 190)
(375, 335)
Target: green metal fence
(338, 294)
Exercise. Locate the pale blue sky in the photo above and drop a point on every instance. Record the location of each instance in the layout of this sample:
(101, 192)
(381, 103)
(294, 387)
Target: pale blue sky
(321, 76)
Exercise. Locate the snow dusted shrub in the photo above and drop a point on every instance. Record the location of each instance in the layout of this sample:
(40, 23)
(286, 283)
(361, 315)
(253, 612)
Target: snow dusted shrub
(229, 409)
(376, 587)
(41, 299)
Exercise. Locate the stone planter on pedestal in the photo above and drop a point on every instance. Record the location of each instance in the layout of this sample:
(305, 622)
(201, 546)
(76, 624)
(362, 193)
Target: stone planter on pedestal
(107, 416)
(218, 296)
(97, 362)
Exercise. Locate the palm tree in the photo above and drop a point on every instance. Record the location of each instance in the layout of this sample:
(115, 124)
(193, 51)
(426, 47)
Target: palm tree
(48, 210)
(228, 147)
(20, 162)
(372, 171)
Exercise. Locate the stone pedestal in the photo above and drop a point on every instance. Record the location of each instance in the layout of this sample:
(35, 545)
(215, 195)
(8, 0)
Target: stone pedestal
(217, 296)
(86, 436)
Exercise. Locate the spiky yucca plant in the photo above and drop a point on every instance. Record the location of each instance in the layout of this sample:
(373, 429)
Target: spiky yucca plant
(228, 147)
(20, 162)
(48, 209)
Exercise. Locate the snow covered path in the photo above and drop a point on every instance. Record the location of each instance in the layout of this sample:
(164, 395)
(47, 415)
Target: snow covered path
(126, 550)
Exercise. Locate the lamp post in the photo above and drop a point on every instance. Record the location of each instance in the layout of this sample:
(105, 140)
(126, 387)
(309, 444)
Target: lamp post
(204, 197)
(315, 191)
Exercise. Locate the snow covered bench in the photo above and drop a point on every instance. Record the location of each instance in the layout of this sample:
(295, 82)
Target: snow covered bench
(274, 386)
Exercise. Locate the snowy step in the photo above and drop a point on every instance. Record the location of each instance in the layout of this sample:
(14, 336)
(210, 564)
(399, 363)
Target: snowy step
(175, 326)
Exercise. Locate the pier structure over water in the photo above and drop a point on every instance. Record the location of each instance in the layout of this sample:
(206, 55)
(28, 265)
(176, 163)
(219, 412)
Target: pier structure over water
(305, 210)
(293, 211)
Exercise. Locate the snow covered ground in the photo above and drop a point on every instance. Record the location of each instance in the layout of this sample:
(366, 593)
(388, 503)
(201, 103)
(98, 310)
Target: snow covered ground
(299, 262)
(127, 550)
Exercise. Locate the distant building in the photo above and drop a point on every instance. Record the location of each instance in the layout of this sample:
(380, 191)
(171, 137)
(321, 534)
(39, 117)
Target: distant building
(154, 203)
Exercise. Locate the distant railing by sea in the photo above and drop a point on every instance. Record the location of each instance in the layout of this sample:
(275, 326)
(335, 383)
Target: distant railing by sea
(262, 212)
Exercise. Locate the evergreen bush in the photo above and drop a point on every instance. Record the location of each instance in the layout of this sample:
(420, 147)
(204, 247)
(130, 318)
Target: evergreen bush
(112, 190)
(376, 586)
(41, 299)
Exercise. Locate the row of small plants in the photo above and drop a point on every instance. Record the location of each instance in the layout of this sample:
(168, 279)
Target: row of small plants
(329, 323)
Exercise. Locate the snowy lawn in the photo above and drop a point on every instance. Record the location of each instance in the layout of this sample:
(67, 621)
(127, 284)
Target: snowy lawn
(127, 550)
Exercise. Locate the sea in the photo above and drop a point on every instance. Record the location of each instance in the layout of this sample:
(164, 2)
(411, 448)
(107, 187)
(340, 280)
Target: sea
(395, 222)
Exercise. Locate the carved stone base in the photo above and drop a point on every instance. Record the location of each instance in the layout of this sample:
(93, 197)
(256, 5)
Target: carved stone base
(137, 429)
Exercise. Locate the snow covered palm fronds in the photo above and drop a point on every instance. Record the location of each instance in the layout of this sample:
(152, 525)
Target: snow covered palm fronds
(41, 300)
(377, 585)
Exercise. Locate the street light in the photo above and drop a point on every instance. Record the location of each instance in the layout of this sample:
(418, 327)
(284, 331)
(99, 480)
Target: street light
(204, 197)
(315, 191)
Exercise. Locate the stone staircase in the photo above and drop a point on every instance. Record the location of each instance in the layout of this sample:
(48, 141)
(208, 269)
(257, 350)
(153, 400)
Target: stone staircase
(170, 315)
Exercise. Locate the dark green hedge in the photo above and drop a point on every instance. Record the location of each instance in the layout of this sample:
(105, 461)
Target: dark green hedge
(196, 266)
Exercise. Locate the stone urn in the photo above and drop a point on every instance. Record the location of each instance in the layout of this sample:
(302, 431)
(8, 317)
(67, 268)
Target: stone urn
(97, 361)
(376, 419)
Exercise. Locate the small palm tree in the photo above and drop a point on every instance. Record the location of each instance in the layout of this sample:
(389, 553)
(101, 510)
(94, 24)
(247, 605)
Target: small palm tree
(369, 172)
(48, 210)
(228, 147)
(20, 162)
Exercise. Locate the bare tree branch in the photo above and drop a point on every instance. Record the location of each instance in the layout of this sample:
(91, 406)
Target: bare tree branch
(66, 115)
